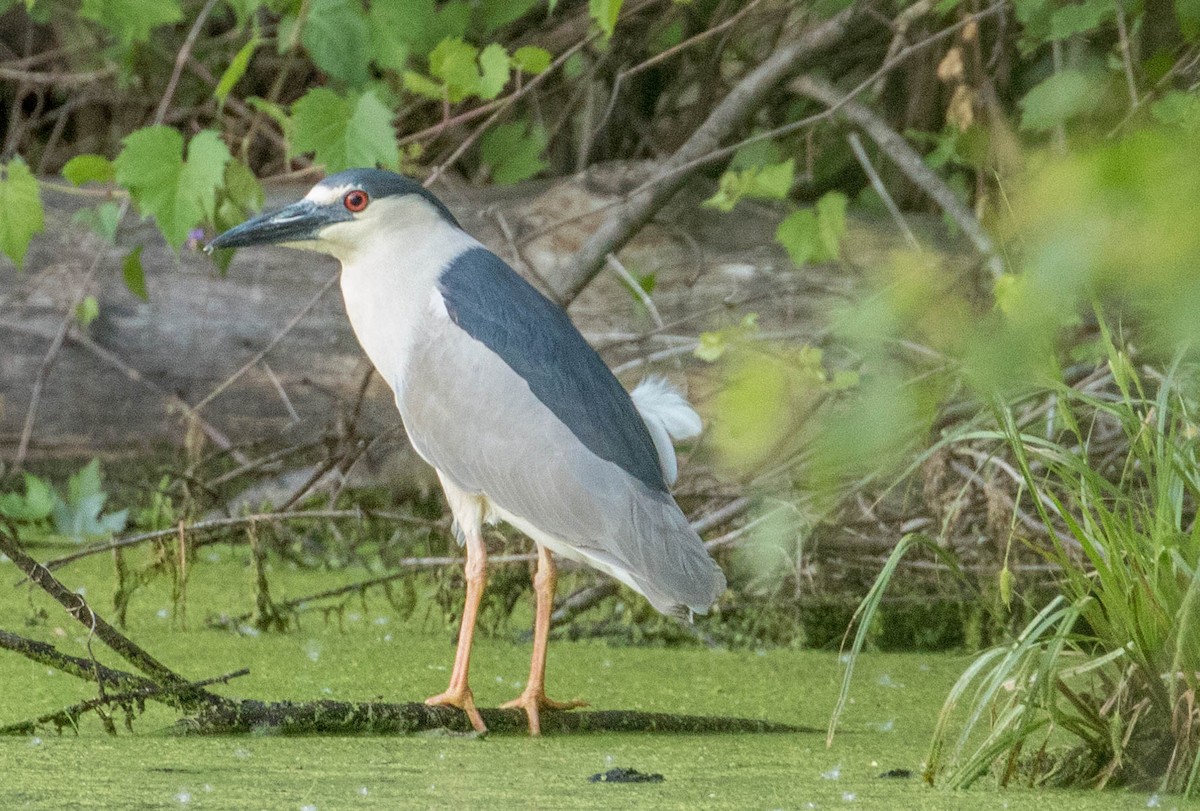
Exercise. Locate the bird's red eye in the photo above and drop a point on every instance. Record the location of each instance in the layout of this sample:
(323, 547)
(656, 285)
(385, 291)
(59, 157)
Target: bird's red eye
(356, 200)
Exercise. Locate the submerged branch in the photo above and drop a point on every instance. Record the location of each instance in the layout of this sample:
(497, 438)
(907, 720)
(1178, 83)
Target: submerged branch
(378, 718)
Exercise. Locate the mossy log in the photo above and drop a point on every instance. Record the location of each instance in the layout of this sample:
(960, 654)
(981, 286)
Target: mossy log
(328, 717)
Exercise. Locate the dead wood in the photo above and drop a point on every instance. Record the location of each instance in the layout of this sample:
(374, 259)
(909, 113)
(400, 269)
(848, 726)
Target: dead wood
(377, 718)
(746, 96)
(77, 607)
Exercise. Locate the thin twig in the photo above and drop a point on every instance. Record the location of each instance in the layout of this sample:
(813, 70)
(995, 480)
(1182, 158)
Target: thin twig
(224, 523)
(77, 607)
(730, 113)
(906, 160)
(877, 184)
(250, 364)
(502, 108)
(56, 79)
(180, 60)
(635, 288)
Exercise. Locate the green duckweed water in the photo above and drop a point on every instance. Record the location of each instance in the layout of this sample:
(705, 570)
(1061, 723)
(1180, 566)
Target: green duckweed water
(374, 655)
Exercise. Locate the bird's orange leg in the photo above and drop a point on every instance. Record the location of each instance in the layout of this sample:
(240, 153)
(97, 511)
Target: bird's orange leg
(533, 700)
(458, 694)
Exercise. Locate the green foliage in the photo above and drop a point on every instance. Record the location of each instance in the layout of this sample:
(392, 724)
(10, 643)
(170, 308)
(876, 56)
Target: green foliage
(132, 21)
(815, 234)
(461, 71)
(134, 275)
(337, 37)
(103, 219)
(770, 181)
(177, 193)
(89, 169)
(1117, 662)
(344, 131)
(35, 505)
(81, 514)
(87, 311)
(531, 59)
(605, 13)
(414, 27)
(513, 151)
(1060, 98)
(236, 70)
(21, 214)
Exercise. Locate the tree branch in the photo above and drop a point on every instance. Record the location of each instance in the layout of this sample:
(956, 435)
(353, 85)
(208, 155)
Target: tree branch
(906, 159)
(731, 113)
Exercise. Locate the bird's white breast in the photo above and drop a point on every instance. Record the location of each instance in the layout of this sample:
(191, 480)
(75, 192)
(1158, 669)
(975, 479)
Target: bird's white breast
(389, 282)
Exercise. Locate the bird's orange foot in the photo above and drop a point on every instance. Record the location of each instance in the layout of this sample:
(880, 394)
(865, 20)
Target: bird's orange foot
(464, 700)
(533, 702)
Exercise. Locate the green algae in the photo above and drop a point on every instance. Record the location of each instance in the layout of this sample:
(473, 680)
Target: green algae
(371, 654)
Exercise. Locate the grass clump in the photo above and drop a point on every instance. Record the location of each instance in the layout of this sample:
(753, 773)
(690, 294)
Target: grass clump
(1100, 688)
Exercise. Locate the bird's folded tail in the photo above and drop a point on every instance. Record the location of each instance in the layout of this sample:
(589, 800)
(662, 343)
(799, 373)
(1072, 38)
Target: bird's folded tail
(668, 416)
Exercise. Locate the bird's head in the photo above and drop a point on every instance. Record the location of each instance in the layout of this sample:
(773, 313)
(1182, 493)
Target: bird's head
(341, 214)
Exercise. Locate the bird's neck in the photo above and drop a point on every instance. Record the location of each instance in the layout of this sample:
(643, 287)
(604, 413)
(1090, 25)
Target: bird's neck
(390, 288)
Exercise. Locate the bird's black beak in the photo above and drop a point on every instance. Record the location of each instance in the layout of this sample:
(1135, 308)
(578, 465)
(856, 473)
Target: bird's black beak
(299, 222)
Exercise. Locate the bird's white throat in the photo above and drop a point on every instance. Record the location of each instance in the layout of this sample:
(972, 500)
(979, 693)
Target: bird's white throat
(389, 279)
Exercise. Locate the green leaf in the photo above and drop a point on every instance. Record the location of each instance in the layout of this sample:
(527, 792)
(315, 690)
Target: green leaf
(81, 516)
(134, 275)
(35, 505)
(531, 59)
(423, 86)
(513, 151)
(1059, 98)
(338, 39)
(815, 234)
(495, 65)
(131, 21)
(454, 62)
(87, 311)
(1178, 109)
(20, 210)
(417, 24)
(236, 70)
(103, 219)
(390, 45)
(179, 195)
(831, 223)
(605, 13)
(88, 168)
(344, 131)
(494, 14)
(1078, 18)
(770, 182)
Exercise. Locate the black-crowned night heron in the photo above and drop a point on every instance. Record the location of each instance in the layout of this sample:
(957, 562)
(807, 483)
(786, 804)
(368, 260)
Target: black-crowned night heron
(501, 394)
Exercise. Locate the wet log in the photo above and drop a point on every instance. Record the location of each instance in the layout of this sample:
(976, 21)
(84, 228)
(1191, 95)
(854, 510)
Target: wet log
(120, 385)
(379, 718)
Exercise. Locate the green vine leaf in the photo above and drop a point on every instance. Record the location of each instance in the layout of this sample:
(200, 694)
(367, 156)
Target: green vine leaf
(236, 70)
(454, 62)
(344, 131)
(179, 195)
(531, 59)
(495, 64)
(605, 13)
(21, 215)
(131, 21)
(514, 151)
(134, 275)
(89, 168)
(815, 234)
(337, 38)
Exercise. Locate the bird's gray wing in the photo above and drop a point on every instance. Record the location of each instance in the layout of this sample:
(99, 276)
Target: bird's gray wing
(482, 423)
